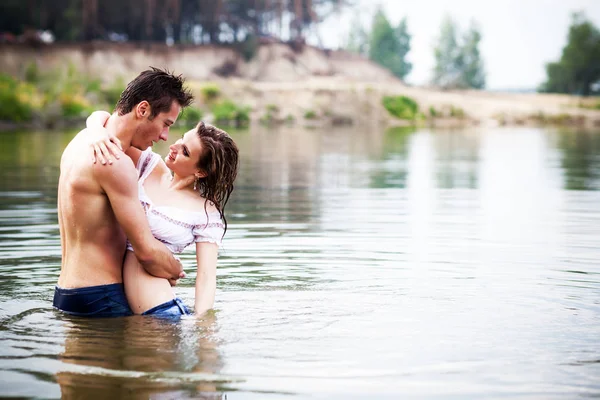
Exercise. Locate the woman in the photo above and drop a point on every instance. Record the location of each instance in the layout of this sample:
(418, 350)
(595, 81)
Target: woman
(184, 197)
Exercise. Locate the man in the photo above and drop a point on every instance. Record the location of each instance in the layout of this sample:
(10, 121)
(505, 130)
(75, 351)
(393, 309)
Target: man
(99, 209)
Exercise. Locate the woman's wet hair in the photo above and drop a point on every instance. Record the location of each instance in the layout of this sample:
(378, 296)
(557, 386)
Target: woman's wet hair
(159, 88)
(219, 160)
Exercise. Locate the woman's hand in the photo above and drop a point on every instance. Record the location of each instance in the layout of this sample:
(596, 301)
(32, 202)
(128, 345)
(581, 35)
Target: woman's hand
(105, 145)
(105, 148)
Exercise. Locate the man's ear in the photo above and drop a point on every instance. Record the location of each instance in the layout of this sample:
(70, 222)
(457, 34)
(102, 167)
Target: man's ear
(143, 110)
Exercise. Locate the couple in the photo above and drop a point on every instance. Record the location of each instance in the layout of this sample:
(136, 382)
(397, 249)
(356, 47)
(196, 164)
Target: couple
(121, 222)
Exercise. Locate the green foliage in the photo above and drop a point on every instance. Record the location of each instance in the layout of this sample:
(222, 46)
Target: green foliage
(220, 21)
(473, 75)
(310, 114)
(32, 73)
(190, 116)
(13, 107)
(389, 46)
(433, 113)
(579, 66)
(271, 114)
(358, 38)
(49, 95)
(290, 119)
(93, 86)
(457, 112)
(591, 106)
(210, 92)
(272, 108)
(401, 107)
(73, 105)
(458, 63)
(227, 112)
(249, 47)
(112, 93)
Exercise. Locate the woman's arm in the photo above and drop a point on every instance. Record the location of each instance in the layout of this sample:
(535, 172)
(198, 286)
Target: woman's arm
(206, 278)
(106, 145)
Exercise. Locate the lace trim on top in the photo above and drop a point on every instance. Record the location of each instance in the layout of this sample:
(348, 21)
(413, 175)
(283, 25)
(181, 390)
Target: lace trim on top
(185, 224)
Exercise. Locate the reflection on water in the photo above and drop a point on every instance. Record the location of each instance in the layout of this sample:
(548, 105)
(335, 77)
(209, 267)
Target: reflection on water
(358, 263)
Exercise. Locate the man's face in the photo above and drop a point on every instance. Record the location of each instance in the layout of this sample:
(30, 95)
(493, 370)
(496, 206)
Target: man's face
(150, 131)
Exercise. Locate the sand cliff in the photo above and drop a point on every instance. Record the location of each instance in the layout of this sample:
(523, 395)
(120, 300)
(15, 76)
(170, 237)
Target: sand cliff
(336, 85)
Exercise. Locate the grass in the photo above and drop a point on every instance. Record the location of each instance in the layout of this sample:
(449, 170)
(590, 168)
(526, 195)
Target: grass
(401, 107)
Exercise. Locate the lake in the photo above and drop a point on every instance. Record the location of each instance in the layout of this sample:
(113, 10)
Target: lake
(358, 264)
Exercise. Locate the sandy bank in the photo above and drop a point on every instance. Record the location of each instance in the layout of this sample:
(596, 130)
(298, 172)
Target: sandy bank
(335, 86)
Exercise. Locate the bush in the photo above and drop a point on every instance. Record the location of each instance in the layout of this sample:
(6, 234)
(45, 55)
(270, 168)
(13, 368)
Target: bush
(13, 102)
(433, 113)
(272, 108)
(210, 92)
(190, 116)
(112, 93)
(32, 73)
(249, 47)
(589, 105)
(228, 113)
(271, 114)
(73, 105)
(310, 114)
(401, 107)
(290, 119)
(457, 112)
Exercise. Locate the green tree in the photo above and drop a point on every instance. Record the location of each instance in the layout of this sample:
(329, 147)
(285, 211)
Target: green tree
(472, 74)
(358, 38)
(403, 38)
(579, 66)
(458, 63)
(448, 56)
(388, 46)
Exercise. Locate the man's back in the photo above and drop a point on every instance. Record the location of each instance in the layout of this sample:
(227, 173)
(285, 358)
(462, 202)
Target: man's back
(93, 243)
(98, 206)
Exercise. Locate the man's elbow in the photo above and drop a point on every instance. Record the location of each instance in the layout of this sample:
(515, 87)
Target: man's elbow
(145, 256)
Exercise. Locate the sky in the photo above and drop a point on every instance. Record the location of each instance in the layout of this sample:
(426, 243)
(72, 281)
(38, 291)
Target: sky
(519, 36)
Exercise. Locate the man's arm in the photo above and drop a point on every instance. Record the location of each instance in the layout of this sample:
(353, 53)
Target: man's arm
(206, 279)
(120, 185)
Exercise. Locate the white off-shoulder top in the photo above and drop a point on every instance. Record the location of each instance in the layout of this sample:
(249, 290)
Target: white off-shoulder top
(175, 227)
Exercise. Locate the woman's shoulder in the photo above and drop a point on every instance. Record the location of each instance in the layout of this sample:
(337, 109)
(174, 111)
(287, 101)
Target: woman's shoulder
(205, 206)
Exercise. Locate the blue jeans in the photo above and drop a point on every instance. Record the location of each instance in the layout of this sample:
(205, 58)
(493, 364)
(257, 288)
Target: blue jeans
(169, 309)
(93, 301)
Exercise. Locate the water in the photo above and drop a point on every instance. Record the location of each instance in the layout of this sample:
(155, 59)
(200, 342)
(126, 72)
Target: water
(358, 264)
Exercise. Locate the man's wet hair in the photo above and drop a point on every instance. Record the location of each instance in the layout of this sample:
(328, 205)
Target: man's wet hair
(159, 88)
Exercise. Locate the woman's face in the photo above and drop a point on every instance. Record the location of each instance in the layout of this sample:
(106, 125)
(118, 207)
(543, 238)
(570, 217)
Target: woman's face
(184, 154)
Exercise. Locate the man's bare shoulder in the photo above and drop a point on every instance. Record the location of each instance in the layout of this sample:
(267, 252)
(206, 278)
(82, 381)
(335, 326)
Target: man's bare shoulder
(121, 169)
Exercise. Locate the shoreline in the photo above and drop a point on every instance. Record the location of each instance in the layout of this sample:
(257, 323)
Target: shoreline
(282, 85)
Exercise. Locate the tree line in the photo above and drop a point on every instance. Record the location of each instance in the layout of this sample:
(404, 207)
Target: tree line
(177, 21)
(458, 61)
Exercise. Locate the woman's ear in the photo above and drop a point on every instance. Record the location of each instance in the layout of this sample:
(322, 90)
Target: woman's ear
(200, 174)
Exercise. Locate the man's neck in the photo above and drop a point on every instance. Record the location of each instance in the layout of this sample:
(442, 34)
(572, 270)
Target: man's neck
(118, 125)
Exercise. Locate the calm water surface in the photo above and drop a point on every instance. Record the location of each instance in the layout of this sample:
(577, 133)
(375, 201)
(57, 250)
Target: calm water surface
(358, 264)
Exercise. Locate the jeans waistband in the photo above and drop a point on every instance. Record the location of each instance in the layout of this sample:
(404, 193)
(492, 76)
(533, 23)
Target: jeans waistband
(91, 289)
